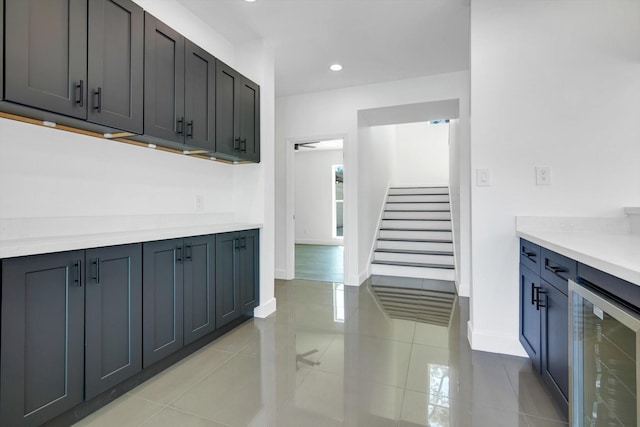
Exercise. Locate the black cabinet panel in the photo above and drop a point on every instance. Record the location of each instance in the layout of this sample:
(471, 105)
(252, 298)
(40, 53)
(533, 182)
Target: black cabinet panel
(164, 81)
(162, 299)
(530, 255)
(249, 120)
(248, 270)
(557, 269)
(555, 343)
(227, 110)
(115, 67)
(530, 314)
(227, 295)
(200, 83)
(42, 351)
(199, 287)
(46, 55)
(113, 316)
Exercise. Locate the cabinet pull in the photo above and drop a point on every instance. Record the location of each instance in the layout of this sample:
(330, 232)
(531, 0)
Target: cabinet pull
(236, 143)
(236, 244)
(529, 255)
(533, 294)
(96, 276)
(243, 144)
(78, 278)
(180, 126)
(555, 270)
(243, 243)
(98, 97)
(190, 129)
(539, 302)
(188, 252)
(179, 254)
(80, 100)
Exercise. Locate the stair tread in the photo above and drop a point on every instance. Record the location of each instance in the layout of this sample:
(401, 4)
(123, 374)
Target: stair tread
(405, 188)
(413, 252)
(415, 229)
(415, 264)
(395, 239)
(416, 202)
(414, 219)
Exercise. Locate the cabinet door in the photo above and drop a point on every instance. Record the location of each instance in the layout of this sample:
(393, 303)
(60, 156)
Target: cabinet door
(249, 119)
(42, 344)
(248, 270)
(530, 314)
(227, 110)
(162, 303)
(113, 325)
(163, 81)
(199, 287)
(46, 55)
(555, 342)
(227, 291)
(200, 83)
(116, 49)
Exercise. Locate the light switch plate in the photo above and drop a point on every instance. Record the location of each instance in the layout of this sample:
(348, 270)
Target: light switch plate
(543, 175)
(483, 177)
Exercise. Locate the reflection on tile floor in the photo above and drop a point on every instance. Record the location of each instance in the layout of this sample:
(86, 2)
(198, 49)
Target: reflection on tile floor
(319, 262)
(330, 356)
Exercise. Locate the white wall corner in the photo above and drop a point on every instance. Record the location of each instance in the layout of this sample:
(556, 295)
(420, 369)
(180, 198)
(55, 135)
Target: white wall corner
(281, 274)
(265, 309)
(374, 241)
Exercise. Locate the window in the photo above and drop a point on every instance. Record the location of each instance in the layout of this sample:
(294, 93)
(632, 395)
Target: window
(338, 200)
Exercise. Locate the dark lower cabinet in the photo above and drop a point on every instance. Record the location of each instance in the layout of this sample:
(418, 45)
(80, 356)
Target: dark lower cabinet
(162, 299)
(199, 287)
(42, 341)
(237, 284)
(555, 341)
(113, 322)
(46, 55)
(544, 321)
(530, 314)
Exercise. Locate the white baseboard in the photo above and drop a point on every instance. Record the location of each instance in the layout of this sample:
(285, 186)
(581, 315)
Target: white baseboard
(281, 274)
(265, 309)
(494, 343)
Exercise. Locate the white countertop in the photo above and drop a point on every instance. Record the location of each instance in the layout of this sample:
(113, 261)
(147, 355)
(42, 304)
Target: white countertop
(605, 244)
(31, 236)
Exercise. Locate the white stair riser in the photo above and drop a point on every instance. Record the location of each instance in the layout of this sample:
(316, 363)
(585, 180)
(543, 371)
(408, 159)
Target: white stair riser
(418, 206)
(416, 215)
(418, 190)
(417, 225)
(414, 258)
(415, 235)
(418, 198)
(415, 246)
(419, 272)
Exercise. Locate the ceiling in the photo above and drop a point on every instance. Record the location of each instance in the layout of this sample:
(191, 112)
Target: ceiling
(375, 40)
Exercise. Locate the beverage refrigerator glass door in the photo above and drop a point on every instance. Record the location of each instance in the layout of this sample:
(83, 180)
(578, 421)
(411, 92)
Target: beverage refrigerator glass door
(604, 347)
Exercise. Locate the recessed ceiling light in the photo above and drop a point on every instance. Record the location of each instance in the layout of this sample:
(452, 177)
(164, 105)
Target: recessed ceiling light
(335, 67)
(250, 1)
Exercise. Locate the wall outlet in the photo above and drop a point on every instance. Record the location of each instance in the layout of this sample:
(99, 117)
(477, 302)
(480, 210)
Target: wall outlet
(543, 175)
(199, 203)
(483, 177)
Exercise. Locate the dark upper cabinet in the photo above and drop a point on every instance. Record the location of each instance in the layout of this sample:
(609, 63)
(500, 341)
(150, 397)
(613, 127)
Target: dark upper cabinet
(237, 115)
(42, 358)
(237, 284)
(115, 64)
(113, 316)
(163, 81)
(530, 314)
(162, 299)
(200, 85)
(248, 270)
(46, 55)
(199, 287)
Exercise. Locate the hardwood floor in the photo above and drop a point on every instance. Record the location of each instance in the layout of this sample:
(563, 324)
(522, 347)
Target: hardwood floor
(320, 262)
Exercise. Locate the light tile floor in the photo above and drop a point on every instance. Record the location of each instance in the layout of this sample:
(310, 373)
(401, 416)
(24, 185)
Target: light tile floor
(330, 356)
(319, 262)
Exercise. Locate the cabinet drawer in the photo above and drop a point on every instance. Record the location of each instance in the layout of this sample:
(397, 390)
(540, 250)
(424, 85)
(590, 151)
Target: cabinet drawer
(530, 255)
(558, 269)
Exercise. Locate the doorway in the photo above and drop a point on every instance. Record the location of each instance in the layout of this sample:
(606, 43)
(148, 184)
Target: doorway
(318, 219)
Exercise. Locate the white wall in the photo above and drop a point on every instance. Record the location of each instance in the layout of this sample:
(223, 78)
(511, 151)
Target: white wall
(376, 157)
(454, 196)
(422, 154)
(314, 184)
(553, 83)
(51, 173)
(335, 113)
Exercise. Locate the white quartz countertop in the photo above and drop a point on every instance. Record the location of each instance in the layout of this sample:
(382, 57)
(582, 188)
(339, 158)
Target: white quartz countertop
(19, 237)
(606, 245)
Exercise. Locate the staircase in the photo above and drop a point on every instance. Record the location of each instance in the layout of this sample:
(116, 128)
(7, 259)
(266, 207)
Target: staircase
(415, 238)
